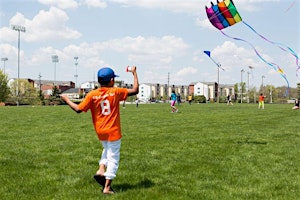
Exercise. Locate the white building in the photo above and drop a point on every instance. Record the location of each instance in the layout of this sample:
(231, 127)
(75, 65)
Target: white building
(201, 89)
(89, 85)
(144, 92)
(148, 91)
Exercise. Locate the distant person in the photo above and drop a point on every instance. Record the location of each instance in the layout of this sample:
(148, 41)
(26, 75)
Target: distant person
(261, 101)
(229, 100)
(173, 101)
(178, 99)
(137, 102)
(296, 107)
(104, 104)
(190, 98)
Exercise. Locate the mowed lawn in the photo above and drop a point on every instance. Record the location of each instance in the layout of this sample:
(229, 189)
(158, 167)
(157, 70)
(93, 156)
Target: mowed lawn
(205, 151)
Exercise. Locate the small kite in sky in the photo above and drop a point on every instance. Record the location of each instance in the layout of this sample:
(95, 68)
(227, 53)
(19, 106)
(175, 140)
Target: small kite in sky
(218, 64)
(224, 14)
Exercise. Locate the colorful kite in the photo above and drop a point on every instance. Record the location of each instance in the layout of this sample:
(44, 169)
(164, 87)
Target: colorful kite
(225, 14)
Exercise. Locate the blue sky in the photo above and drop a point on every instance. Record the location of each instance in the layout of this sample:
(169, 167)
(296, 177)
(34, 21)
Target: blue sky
(158, 36)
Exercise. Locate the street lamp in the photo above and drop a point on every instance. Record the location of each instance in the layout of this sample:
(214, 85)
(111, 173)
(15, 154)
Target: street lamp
(254, 91)
(4, 59)
(248, 73)
(55, 60)
(262, 83)
(76, 75)
(242, 85)
(19, 29)
(218, 92)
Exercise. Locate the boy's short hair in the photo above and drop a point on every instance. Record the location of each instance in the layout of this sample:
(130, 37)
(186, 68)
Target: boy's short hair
(105, 75)
(101, 81)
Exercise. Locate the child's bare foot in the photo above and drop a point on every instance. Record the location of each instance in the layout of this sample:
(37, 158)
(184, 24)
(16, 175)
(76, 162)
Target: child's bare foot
(107, 188)
(108, 191)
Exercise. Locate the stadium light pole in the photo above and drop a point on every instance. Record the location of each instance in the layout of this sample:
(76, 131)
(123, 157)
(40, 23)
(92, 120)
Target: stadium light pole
(218, 91)
(19, 29)
(4, 60)
(254, 91)
(262, 83)
(76, 75)
(55, 60)
(248, 73)
(242, 85)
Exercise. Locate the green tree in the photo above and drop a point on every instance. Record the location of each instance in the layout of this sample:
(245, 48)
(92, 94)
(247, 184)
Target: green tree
(55, 97)
(55, 92)
(4, 89)
(41, 95)
(252, 95)
(28, 95)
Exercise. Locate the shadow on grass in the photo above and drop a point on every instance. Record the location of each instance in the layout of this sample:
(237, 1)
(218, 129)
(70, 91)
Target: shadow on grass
(127, 186)
(252, 142)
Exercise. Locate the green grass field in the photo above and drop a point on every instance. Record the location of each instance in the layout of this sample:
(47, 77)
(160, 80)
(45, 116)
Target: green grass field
(205, 151)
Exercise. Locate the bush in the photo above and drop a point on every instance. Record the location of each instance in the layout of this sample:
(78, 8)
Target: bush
(200, 99)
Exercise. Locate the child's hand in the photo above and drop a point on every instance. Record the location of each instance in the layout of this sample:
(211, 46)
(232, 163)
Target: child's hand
(133, 69)
(64, 97)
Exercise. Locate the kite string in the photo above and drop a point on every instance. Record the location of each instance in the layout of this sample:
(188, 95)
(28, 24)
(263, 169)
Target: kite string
(279, 45)
(277, 68)
(291, 6)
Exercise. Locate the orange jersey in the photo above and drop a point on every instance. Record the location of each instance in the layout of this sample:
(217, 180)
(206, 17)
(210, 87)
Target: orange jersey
(104, 105)
(261, 98)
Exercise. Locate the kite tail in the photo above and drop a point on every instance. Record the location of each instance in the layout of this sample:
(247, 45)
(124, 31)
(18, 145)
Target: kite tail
(273, 65)
(283, 75)
(291, 6)
(279, 45)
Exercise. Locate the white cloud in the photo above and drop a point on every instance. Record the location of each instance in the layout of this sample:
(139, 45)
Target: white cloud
(187, 71)
(46, 25)
(8, 51)
(95, 3)
(151, 50)
(189, 6)
(63, 4)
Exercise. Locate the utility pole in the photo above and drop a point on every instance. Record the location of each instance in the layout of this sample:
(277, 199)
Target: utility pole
(40, 83)
(76, 75)
(168, 84)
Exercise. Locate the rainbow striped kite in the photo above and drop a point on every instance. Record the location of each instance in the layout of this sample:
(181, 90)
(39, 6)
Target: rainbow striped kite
(224, 14)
